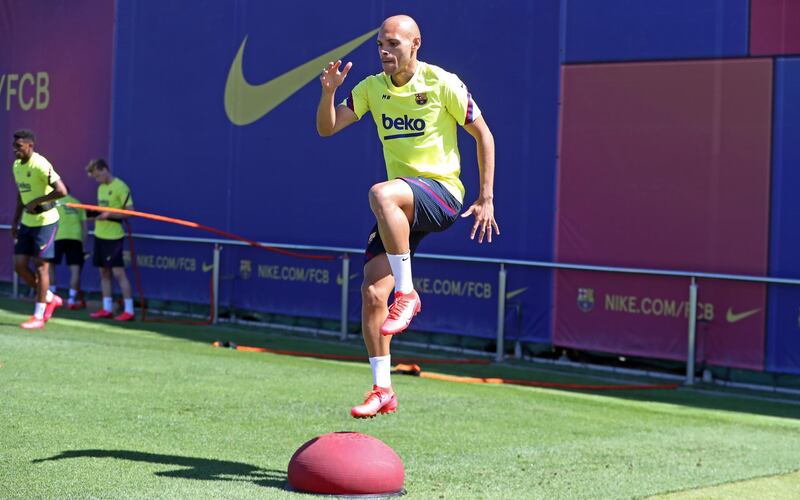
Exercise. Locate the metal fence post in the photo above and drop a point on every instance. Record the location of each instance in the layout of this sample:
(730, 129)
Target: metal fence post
(501, 312)
(345, 294)
(690, 350)
(215, 285)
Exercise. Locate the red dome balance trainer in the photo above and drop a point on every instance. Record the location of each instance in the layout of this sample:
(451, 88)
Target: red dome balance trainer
(346, 463)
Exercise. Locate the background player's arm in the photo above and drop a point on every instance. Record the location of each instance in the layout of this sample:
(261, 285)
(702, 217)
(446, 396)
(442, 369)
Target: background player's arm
(59, 191)
(483, 207)
(17, 217)
(330, 118)
(115, 217)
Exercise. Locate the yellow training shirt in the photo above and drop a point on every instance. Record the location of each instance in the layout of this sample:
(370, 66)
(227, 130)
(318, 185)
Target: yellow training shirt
(35, 179)
(113, 195)
(70, 227)
(417, 122)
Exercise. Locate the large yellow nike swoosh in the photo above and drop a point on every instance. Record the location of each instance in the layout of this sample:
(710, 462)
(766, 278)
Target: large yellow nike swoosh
(733, 318)
(245, 103)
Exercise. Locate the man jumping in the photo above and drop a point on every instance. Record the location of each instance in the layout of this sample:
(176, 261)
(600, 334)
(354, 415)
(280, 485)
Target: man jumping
(416, 107)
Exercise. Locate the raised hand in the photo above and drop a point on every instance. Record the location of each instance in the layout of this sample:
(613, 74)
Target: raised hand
(483, 210)
(331, 77)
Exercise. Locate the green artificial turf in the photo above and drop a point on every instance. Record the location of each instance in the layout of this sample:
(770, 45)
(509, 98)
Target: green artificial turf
(146, 410)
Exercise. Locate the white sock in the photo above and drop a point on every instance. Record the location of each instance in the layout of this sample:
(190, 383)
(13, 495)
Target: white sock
(38, 310)
(108, 304)
(129, 306)
(72, 294)
(381, 370)
(401, 269)
(48, 296)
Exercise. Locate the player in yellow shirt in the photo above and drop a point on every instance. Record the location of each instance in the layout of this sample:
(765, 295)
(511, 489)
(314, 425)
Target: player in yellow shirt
(70, 244)
(35, 223)
(416, 108)
(109, 237)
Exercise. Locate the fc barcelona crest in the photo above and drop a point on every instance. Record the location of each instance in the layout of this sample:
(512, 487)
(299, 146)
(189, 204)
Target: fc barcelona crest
(585, 299)
(421, 98)
(245, 269)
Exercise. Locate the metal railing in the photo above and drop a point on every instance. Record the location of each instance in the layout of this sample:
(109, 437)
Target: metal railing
(345, 253)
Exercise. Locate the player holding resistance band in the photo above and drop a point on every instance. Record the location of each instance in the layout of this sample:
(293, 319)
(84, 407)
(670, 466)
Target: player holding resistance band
(109, 236)
(416, 107)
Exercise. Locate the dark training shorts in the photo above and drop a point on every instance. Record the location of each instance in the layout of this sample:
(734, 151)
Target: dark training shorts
(36, 241)
(72, 250)
(435, 209)
(108, 253)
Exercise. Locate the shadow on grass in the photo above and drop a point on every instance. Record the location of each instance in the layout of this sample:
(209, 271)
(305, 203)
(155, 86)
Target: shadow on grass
(190, 467)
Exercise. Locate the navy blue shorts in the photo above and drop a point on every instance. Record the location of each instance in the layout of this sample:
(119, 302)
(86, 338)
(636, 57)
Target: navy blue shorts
(72, 250)
(435, 209)
(36, 241)
(108, 253)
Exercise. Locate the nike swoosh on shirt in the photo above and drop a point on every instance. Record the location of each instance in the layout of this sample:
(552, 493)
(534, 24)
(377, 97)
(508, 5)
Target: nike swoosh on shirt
(734, 318)
(246, 103)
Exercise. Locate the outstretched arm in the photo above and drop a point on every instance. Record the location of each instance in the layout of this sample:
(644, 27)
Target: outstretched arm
(483, 207)
(331, 118)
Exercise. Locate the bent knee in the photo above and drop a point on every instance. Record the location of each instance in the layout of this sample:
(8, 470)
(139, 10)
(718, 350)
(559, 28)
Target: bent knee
(380, 197)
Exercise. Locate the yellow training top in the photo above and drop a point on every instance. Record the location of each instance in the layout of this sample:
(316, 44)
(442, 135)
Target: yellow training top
(113, 195)
(70, 227)
(417, 122)
(35, 179)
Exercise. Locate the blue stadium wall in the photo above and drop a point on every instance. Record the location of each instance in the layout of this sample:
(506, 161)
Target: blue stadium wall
(783, 340)
(273, 179)
(668, 37)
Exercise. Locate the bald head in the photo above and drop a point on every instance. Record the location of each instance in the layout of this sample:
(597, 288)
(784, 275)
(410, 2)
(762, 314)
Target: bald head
(401, 24)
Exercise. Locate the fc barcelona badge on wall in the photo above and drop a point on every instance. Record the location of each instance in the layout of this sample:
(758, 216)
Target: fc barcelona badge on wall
(585, 299)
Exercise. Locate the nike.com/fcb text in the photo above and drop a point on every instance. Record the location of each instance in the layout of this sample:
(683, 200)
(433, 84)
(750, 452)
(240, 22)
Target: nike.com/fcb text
(671, 308)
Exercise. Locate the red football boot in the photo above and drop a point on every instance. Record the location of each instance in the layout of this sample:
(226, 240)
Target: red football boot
(52, 306)
(102, 313)
(379, 400)
(33, 324)
(126, 316)
(77, 305)
(402, 310)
